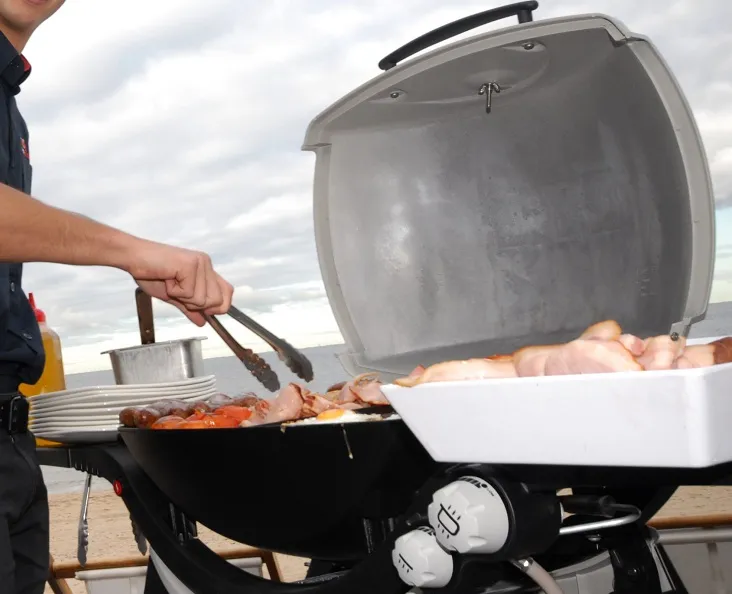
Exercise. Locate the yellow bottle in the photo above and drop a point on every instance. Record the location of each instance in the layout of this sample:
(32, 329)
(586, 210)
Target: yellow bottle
(53, 378)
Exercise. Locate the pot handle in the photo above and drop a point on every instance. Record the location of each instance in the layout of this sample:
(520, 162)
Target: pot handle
(522, 10)
(145, 316)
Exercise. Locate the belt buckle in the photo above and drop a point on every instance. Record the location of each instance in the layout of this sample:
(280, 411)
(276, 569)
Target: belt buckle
(18, 412)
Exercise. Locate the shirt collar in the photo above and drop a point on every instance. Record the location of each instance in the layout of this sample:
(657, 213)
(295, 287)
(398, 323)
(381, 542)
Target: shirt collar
(14, 68)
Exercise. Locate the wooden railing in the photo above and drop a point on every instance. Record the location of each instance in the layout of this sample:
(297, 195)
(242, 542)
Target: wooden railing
(677, 522)
(60, 572)
(66, 570)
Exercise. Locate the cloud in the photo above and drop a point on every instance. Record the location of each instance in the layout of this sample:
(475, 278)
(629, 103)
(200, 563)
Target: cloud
(182, 121)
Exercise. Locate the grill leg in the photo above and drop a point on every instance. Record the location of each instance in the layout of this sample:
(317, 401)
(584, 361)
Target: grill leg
(153, 585)
(677, 584)
(634, 567)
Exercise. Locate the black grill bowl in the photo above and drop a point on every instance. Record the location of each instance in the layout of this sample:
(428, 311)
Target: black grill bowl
(300, 490)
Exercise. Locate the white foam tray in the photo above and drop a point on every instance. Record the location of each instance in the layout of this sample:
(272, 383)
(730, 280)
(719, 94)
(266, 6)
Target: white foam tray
(664, 419)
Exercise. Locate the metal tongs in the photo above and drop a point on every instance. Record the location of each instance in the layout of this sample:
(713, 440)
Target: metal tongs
(259, 368)
(289, 355)
(82, 547)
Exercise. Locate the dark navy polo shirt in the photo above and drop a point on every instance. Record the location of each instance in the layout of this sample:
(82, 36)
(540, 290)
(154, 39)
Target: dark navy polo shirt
(21, 348)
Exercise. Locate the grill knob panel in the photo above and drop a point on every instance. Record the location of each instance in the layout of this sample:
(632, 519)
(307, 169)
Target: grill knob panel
(420, 561)
(469, 516)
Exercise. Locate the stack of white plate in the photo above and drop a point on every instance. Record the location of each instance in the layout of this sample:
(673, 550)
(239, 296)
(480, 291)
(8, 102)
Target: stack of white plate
(91, 415)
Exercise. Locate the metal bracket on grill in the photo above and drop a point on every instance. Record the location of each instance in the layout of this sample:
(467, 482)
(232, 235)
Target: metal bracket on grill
(183, 528)
(488, 89)
(631, 514)
(680, 329)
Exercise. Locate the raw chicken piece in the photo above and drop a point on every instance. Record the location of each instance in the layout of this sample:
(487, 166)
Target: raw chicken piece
(698, 355)
(501, 358)
(607, 330)
(661, 352)
(584, 356)
(611, 330)
(601, 348)
(636, 346)
(416, 373)
(470, 369)
(531, 361)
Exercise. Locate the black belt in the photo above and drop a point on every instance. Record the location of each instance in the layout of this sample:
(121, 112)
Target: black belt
(13, 413)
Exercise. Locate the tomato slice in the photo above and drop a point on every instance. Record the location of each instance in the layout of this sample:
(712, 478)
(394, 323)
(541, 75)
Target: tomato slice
(239, 413)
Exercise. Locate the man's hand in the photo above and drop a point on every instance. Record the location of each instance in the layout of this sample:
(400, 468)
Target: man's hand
(181, 277)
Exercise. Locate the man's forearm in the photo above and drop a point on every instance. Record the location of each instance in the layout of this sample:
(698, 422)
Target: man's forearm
(31, 231)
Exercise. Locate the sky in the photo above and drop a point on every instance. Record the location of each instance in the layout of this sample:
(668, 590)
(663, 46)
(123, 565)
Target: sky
(182, 121)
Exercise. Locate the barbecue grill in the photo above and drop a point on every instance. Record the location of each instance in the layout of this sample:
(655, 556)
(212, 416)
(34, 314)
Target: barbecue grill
(506, 189)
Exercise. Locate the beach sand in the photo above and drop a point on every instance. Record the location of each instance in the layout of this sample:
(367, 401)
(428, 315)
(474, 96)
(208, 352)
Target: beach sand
(110, 534)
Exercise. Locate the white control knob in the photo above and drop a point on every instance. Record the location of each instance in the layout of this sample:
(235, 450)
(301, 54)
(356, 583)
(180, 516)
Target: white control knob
(469, 516)
(420, 560)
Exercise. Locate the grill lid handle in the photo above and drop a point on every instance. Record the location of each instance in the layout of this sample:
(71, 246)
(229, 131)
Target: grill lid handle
(522, 10)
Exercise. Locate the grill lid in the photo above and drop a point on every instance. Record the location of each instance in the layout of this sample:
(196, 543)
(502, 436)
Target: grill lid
(450, 228)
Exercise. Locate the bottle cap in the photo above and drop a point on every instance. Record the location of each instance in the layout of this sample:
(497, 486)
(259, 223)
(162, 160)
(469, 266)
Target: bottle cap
(40, 314)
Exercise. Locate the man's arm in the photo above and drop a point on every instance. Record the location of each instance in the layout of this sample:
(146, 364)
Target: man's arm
(31, 231)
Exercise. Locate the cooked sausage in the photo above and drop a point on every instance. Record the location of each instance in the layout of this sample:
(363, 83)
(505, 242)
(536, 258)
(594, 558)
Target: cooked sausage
(127, 416)
(177, 404)
(145, 417)
(200, 406)
(181, 412)
(164, 406)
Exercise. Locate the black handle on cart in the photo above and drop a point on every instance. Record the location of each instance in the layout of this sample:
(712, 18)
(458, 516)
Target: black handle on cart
(522, 10)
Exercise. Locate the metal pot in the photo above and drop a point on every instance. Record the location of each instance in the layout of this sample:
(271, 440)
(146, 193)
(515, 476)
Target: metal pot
(169, 361)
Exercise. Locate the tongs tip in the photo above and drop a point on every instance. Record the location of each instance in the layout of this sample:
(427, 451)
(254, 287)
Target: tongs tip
(298, 363)
(292, 358)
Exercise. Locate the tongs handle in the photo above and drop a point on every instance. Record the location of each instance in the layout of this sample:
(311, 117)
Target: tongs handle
(274, 341)
(145, 317)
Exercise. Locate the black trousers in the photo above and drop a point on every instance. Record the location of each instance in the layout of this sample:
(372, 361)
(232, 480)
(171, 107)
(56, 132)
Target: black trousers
(24, 531)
